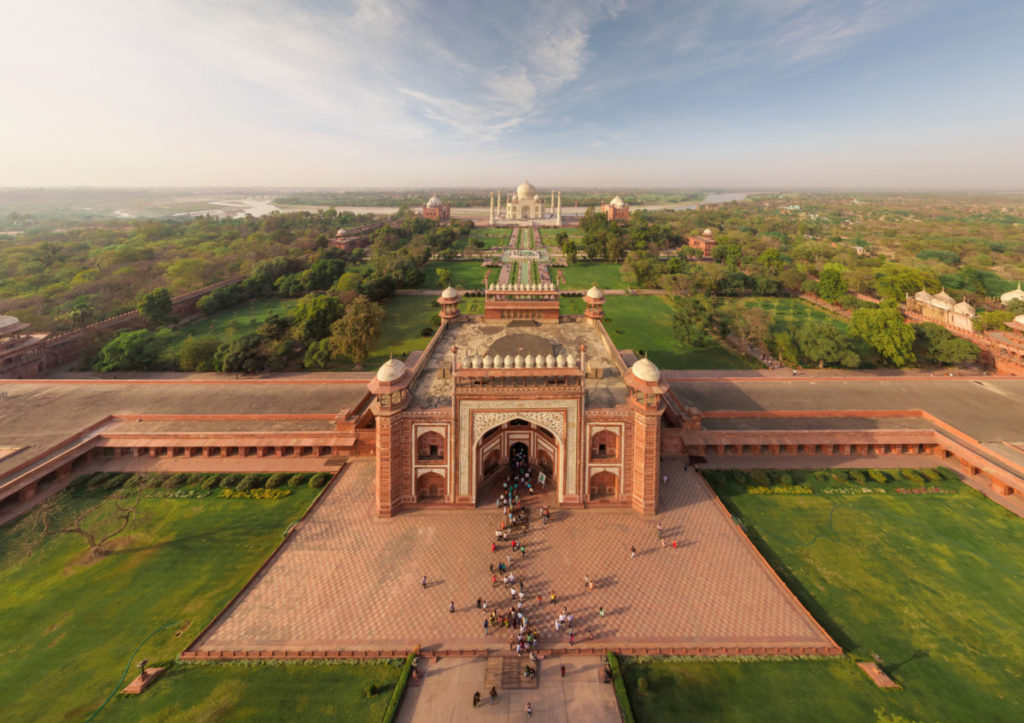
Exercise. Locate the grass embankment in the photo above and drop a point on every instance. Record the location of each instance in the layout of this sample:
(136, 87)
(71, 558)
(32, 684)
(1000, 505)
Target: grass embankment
(69, 622)
(238, 320)
(465, 274)
(644, 323)
(929, 581)
(405, 319)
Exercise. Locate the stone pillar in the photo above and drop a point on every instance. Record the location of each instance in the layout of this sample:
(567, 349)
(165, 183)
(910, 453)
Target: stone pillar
(492, 208)
(389, 473)
(558, 217)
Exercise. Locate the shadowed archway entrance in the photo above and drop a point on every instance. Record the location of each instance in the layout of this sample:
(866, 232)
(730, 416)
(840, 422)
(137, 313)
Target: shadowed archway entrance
(516, 448)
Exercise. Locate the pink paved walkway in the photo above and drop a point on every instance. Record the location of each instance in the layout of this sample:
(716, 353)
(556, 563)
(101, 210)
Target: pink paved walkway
(346, 580)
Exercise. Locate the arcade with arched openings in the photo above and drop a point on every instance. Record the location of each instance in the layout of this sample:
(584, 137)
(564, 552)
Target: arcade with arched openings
(496, 449)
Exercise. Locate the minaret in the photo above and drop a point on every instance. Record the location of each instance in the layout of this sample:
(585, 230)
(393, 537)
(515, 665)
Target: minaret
(558, 217)
(492, 208)
(552, 206)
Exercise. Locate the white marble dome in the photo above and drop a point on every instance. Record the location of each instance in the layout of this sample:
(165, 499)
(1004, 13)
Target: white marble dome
(526, 190)
(595, 293)
(923, 296)
(645, 370)
(1019, 319)
(434, 202)
(617, 202)
(449, 293)
(943, 300)
(391, 370)
(963, 308)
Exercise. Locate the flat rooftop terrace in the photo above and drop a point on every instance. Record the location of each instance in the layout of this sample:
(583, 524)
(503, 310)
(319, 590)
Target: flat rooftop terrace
(433, 389)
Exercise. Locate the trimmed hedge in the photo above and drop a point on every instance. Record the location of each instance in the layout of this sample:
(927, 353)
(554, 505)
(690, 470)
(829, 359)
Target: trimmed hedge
(319, 480)
(620, 689)
(396, 695)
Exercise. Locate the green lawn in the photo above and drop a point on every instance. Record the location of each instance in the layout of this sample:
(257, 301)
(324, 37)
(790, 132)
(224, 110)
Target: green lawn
(465, 274)
(240, 319)
(401, 331)
(644, 323)
(583, 274)
(69, 624)
(264, 692)
(931, 584)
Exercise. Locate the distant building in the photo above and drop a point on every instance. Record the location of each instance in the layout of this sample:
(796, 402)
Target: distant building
(705, 243)
(1010, 296)
(21, 354)
(942, 309)
(437, 211)
(616, 209)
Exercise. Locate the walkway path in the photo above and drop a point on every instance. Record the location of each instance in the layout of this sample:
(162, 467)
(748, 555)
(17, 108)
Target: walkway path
(347, 580)
(448, 686)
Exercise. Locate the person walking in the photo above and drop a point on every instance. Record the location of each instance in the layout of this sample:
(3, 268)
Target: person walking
(476, 699)
(529, 709)
(563, 671)
(632, 552)
(493, 694)
(487, 630)
(423, 582)
(451, 606)
(600, 611)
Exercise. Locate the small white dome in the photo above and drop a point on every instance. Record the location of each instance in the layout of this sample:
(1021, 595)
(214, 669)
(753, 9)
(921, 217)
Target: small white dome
(1019, 319)
(560, 360)
(391, 370)
(449, 293)
(963, 308)
(497, 361)
(434, 202)
(1014, 295)
(923, 296)
(528, 361)
(708, 232)
(595, 293)
(488, 362)
(617, 202)
(491, 287)
(943, 300)
(476, 362)
(550, 360)
(539, 361)
(570, 360)
(645, 370)
(519, 361)
(509, 363)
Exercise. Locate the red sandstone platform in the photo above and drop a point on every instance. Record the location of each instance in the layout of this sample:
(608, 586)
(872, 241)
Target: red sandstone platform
(348, 582)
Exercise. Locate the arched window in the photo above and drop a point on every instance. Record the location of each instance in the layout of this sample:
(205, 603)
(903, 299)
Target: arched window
(603, 484)
(429, 485)
(604, 445)
(429, 447)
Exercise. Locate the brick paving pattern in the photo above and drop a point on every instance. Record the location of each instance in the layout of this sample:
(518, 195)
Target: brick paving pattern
(347, 580)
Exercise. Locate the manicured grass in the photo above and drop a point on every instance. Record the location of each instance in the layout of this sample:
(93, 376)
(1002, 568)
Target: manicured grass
(583, 274)
(401, 331)
(472, 305)
(237, 320)
(69, 623)
(644, 323)
(269, 692)
(931, 584)
(465, 274)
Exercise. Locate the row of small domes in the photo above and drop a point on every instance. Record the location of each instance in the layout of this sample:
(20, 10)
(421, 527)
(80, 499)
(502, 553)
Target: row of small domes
(543, 286)
(518, 361)
(942, 300)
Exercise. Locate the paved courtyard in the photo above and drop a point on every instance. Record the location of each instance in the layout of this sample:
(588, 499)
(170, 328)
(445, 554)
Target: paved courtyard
(347, 580)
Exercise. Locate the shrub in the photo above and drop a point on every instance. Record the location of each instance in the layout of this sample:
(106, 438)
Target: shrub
(878, 476)
(319, 480)
(641, 686)
(786, 478)
(276, 480)
(230, 480)
(426, 331)
(371, 690)
(195, 479)
(913, 477)
(858, 476)
(620, 689)
(246, 483)
(116, 481)
(209, 481)
(297, 480)
(931, 474)
(399, 690)
(760, 478)
(175, 480)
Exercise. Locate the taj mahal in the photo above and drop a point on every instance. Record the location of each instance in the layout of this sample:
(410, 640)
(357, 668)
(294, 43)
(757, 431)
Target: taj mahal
(526, 207)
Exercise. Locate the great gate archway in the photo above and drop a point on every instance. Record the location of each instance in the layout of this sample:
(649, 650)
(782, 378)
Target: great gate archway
(494, 448)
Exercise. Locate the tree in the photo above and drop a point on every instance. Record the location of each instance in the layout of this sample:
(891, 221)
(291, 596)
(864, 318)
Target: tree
(753, 326)
(693, 320)
(313, 316)
(569, 249)
(938, 345)
(156, 306)
(822, 343)
(133, 351)
(444, 277)
(831, 284)
(241, 354)
(354, 332)
(884, 330)
(196, 354)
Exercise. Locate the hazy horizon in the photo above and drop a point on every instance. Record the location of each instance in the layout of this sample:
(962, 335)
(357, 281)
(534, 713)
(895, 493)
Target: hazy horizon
(815, 95)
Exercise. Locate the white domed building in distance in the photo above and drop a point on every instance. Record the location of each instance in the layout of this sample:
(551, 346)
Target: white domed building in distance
(616, 209)
(525, 206)
(435, 210)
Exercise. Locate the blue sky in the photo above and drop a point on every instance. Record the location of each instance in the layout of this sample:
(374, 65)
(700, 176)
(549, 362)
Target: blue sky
(748, 94)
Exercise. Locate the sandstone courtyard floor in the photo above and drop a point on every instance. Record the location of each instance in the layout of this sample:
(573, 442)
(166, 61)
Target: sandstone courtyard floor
(346, 580)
